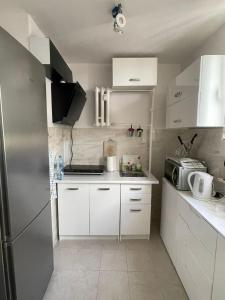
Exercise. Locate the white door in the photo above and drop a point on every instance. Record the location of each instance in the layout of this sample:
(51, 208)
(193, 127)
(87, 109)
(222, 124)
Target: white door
(134, 72)
(104, 209)
(73, 209)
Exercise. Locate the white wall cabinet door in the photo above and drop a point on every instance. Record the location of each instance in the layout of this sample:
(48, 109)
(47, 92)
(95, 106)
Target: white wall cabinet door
(196, 97)
(104, 209)
(169, 218)
(219, 275)
(73, 209)
(134, 72)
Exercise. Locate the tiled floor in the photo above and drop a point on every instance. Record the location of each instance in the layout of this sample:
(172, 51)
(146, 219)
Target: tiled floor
(108, 270)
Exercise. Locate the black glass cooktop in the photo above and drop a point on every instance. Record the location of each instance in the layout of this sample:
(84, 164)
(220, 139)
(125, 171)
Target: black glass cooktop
(83, 169)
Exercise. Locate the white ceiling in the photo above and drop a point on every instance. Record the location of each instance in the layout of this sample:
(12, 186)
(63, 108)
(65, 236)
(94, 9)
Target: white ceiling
(169, 29)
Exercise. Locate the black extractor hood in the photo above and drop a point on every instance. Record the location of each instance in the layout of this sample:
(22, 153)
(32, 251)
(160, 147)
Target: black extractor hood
(68, 100)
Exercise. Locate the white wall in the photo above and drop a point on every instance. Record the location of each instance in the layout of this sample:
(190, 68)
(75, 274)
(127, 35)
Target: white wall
(215, 44)
(125, 107)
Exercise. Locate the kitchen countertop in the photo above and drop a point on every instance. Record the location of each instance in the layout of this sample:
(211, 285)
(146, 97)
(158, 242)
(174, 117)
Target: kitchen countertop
(212, 211)
(108, 177)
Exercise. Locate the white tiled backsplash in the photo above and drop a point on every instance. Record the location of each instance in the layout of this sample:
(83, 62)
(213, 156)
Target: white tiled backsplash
(88, 144)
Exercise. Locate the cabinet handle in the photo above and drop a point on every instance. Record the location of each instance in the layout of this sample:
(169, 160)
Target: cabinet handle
(178, 94)
(135, 189)
(135, 199)
(177, 121)
(103, 189)
(135, 210)
(72, 189)
(134, 79)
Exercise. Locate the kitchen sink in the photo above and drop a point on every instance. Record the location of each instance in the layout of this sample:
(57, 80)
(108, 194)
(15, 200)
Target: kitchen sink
(132, 174)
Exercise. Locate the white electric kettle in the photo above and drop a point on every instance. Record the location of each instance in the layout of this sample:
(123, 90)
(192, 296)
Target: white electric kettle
(202, 187)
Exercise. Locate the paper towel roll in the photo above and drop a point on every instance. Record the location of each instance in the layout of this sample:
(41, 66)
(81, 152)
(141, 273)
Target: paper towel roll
(111, 163)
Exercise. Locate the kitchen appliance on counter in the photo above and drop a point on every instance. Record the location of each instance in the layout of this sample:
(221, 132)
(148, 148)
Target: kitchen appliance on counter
(202, 186)
(83, 170)
(110, 150)
(178, 169)
(26, 250)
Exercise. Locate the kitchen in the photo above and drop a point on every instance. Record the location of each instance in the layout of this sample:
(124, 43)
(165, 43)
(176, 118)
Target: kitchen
(131, 105)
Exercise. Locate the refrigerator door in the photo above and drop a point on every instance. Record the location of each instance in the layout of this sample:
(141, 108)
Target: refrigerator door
(2, 275)
(24, 139)
(31, 256)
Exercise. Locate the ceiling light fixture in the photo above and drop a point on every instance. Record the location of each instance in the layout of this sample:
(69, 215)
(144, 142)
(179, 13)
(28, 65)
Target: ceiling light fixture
(119, 19)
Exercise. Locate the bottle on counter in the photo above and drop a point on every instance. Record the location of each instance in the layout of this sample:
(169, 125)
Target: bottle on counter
(60, 167)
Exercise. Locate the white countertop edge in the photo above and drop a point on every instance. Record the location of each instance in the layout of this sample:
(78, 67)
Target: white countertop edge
(217, 221)
(108, 178)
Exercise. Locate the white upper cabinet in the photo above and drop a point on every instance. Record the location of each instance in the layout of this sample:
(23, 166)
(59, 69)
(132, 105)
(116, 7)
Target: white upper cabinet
(134, 73)
(196, 98)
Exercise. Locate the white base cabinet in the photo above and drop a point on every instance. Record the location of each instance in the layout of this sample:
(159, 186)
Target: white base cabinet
(169, 218)
(135, 209)
(219, 275)
(104, 209)
(73, 209)
(195, 247)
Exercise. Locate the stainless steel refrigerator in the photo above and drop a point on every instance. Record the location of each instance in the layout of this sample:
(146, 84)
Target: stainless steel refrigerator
(26, 252)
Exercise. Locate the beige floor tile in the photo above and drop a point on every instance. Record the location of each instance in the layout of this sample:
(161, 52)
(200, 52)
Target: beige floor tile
(113, 286)
(139, 261)
(138, 244)
(174, 293)
(114, 260)
(144, 292)
(71, 285)
(113, 245)
(143, 278)
(77, 259)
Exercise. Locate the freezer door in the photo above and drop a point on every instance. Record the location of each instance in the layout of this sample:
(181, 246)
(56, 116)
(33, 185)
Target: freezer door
(23, 135)
(32, 259)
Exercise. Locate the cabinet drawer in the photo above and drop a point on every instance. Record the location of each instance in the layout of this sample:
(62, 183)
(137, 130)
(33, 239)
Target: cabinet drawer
(198, 226)
(194, 277)
(134, 198)
(135, 219)
(103, 189)
(135, 189)
(71, 187)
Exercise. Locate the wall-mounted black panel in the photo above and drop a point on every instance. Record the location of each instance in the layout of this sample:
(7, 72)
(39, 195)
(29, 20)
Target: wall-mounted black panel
(58, 70)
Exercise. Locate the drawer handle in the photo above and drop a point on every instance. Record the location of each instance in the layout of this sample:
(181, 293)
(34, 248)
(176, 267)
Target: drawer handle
(135, 189)
(178, 94)
(135, 199)
(72, 189)
(104, 189)
(135, 210)
(177, 121)
(134, 79)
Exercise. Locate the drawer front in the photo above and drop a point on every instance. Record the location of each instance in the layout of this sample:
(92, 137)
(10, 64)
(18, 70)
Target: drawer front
(194, 278)
(104, 189)
(198, 226)
(68, 188)
(134, 198)
(135, 219)
(135, 189)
